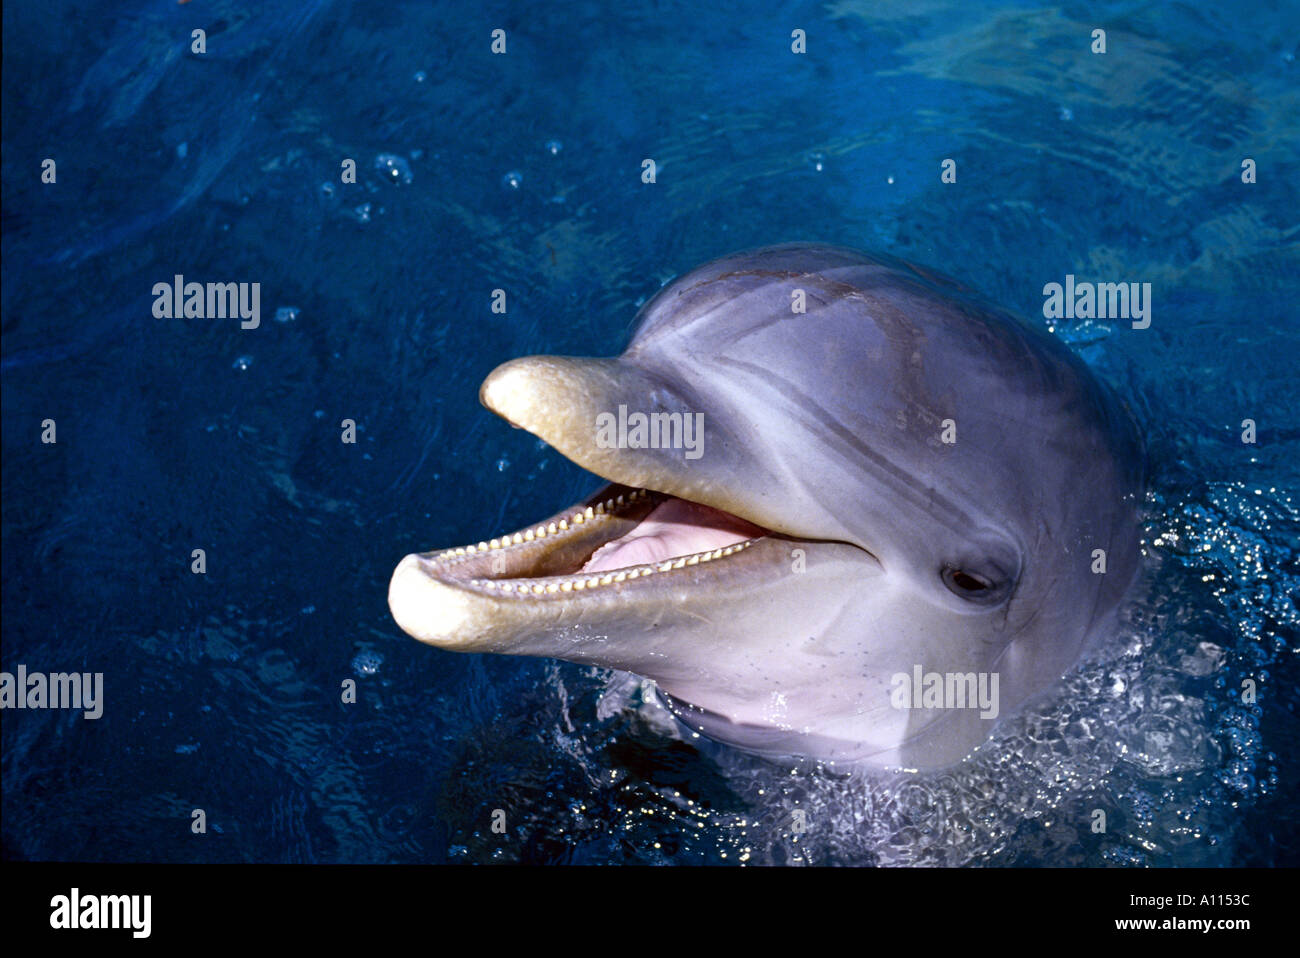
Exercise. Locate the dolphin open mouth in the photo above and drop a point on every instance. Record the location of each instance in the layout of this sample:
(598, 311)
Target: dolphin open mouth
(661, 534)
(617, 535)
(603, 549)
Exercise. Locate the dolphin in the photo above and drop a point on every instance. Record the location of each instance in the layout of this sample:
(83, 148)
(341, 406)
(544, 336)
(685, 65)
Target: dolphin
(847, 501)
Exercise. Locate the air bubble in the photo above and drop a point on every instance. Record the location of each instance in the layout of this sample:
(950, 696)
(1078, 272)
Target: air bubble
(512, 180)
(242, 363)
(394, 168)
(554, 146)
(286, 314)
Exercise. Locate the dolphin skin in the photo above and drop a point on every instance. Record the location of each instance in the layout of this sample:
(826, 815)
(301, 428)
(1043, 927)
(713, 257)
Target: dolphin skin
(855, 514)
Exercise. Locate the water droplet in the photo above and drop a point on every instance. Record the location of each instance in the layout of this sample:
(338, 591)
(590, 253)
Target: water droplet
(286, 314)
(420, 76)
(503, 464)
(512, 180)
(243, 362)
(817, 160)
(890, 181)
(394, 168)
(554, 146)
(362, 213)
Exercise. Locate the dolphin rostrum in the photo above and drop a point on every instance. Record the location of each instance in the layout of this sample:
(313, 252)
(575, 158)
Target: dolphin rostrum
(854, 513)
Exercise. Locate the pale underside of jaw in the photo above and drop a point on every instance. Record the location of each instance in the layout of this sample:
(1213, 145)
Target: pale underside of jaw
(621, 534)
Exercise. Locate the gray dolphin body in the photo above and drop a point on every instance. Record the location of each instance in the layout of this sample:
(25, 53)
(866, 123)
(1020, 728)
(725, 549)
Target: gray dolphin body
(896, 484)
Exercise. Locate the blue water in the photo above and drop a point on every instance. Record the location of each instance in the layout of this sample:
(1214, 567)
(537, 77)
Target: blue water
(521, 172)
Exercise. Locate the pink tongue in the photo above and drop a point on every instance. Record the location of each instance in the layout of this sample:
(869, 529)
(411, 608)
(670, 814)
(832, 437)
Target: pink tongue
(674, 528)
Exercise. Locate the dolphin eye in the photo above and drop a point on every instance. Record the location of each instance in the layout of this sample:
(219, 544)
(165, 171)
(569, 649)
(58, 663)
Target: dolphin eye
(972, 585)
(966, 582)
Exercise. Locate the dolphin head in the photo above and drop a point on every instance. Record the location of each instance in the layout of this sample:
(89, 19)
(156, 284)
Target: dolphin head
(854, 513)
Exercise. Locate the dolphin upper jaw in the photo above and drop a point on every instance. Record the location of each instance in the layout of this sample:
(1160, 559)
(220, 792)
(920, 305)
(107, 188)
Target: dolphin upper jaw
(559, 399)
